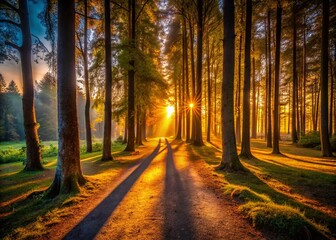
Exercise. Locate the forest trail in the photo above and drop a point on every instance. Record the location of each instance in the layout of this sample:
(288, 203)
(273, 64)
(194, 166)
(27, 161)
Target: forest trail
(163, 198)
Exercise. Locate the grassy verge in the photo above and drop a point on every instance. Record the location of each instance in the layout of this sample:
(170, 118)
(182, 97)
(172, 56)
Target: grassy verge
(24, 215)
(297, 188)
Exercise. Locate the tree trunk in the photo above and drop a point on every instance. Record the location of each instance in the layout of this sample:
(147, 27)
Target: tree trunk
(334, 128)
(215, 101)
(209, 90)
(144, 126)
(138, 126)
(68, 175)
(276, 131)
(193, 78)
(254, 106)
(238, 127)
(107, 155)
(331, 98)
(187, 80)
(325, 142)
(131, 98)
(295, 80)
(246, 150)
(198, 141)
(269, 89)
(266, 81)
(86, 83)
(303, 127)
(33, 151)
(179, 111)
(230, 158)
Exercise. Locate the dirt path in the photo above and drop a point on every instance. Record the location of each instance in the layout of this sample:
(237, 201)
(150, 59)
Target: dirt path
(163, 198)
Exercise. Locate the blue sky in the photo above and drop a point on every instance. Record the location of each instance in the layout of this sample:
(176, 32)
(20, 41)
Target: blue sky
(10, 69)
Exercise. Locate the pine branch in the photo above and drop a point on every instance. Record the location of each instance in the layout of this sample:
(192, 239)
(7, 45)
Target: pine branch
(10, 22)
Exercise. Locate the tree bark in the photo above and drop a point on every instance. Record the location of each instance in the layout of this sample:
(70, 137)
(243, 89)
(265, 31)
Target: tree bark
(331, 98)
(238, 127)
(198, 141)
(266, 81)
(186, 80)
(86, 83)
(33, 151)
(269, 89)
(68, 175)
(230, 158)
(179, 111)
(139, 126)
(276, 131)
(246, 150)
(324, 135)
(131, 98)
(107, 151)
(209, 90)
(295, 83)
(254, 106)
(303, 127)
(193, 77)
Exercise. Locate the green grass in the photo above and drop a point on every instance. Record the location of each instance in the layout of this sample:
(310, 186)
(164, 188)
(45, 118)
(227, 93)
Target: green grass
(16, 151)
(300, 180)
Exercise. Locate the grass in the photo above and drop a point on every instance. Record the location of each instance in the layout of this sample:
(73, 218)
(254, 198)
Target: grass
(16, 151)
(299, 180)
(24, 215)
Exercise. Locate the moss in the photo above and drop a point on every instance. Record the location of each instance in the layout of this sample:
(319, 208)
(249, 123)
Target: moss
(281, 219)
(245, 194)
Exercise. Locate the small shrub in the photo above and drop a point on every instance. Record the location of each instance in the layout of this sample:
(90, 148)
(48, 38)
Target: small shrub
(333, 143)
(50, 151)
(12, 155)
(310, 140)
(97, 147)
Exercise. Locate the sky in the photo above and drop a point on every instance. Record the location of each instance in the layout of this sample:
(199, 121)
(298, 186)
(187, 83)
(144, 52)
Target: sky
(12, 70)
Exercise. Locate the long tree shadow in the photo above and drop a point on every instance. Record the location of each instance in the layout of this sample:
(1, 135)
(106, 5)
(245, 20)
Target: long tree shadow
(90, 226)
(178, 221)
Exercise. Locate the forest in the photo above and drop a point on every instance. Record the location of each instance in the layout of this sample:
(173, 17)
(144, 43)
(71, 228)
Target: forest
(168, 119)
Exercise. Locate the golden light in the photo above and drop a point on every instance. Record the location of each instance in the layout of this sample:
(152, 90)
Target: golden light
(170, 111)
(191, 105)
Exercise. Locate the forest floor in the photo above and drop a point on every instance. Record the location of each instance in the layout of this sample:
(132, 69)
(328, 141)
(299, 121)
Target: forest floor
(169, 191)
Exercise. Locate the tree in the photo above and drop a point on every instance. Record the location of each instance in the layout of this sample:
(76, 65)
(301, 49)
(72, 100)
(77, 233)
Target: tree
(108, 86)
(33, 151)
(131, 105)
(86, 81)
(276, 130)
(230, 158)
(269, 82)
(295, 80)
(246, 150)
(198, 96)
(324, 135)
(68, 176)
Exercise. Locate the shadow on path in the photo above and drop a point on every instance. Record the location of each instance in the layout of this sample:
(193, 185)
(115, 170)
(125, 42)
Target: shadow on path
(90, 226)
(177, 203)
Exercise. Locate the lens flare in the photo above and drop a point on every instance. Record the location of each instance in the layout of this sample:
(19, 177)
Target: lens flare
(170, 111)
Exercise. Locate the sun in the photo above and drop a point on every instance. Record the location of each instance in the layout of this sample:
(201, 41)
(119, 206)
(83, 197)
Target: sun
(170, 111)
